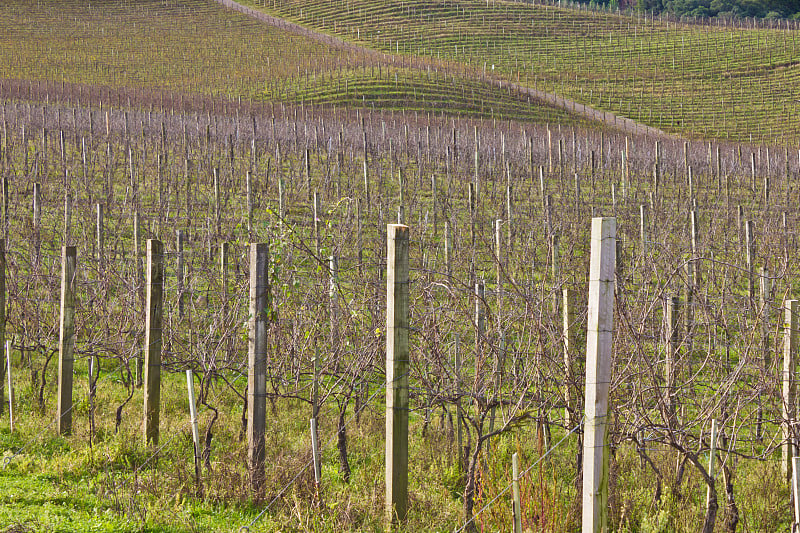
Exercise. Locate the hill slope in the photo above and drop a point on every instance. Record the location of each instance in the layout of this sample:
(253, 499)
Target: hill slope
(726, 82)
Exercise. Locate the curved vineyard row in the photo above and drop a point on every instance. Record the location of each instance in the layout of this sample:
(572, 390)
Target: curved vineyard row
(730, 83)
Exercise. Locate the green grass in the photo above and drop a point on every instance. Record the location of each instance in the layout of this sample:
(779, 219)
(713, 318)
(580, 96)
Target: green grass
(191, 46)
(727, 83)
(417, 90)
(198, 47)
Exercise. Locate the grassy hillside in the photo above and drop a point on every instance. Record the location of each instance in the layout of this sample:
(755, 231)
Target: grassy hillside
(184, 46)
(729, 83)
(197, 46)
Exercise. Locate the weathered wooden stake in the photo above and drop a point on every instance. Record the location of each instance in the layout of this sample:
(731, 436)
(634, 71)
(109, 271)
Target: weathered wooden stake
(315, 452)
(94, 371)
(598, 374)
(712, 458)
(517, 503)
(260, 308)
(37, 206)
(397, 366)
(10, 388)
(2, 312)
(66, 342)
(152, 339)
(67, 219)
(195, 430)
(796, 492)
(790, 326)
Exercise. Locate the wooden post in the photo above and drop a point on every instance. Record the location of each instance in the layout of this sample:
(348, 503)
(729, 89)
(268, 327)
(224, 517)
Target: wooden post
(195, 430)
(315, 451)
(2, 312)
(740, 224)
(598, 374)
(94, 372)
(66, 341)
(569, 328)
(67, 219)
(796, 492)
(790, 326)
(10, 388)
(517, 506)
(397, 366)
(260, 308)
(152, 339)
(711, 458)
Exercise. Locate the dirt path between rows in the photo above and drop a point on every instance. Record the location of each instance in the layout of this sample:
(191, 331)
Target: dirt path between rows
(605, 117)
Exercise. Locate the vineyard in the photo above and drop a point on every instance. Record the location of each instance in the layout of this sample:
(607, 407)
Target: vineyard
(177, 175)
(730, 82)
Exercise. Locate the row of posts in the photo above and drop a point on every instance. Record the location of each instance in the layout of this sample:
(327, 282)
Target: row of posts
(598, 358)
(397, 353)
